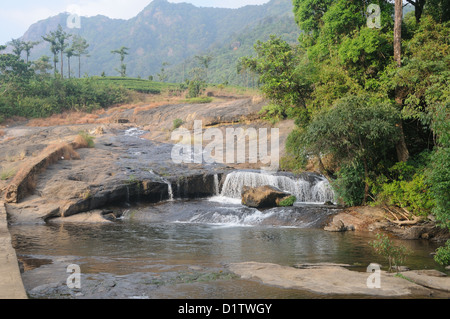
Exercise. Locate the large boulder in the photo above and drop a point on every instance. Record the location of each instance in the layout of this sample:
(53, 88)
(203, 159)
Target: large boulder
(263, 196)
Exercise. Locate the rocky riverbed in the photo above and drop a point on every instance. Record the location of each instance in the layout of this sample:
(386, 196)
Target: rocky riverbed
(132, 162)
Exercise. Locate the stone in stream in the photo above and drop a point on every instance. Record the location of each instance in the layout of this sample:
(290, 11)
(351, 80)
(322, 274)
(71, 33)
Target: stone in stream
(263, 196)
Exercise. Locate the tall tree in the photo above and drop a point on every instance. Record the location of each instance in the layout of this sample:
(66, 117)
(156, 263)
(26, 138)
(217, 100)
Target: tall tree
(418, 8)
(28, 46)
(402, 149)
(70, 52)
(204, 61)
(123, 51)
(80, 48)
(61, 40)
(18, 47)
(54, 48)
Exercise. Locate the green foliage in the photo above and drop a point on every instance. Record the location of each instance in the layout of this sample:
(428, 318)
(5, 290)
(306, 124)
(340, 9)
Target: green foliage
(177, 123)
(284, 75)
(288, 201)
(405, 185)
(442, 256)
(86, 139)
(395, 255)
(349, 184)
(439, 173)
(199, 100)
(196, 87)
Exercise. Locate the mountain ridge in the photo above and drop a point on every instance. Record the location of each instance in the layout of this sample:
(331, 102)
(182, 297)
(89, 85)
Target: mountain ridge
(162, 32)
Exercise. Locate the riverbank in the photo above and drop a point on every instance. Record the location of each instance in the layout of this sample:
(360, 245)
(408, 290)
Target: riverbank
(11, 285)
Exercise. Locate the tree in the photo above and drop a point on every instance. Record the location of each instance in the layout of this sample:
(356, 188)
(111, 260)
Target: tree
(54, 48)
(356, 130)
(204, 61)
(18, 47)
(80, 48)
(27, 47)
(162, 75)
(402, 149)
(123, 51)
(61, 38)
(283, 74)
(42, 65)
(70, 52)
(418, 8)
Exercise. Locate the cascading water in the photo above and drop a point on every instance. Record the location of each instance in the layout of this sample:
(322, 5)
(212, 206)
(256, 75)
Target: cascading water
(316, 191)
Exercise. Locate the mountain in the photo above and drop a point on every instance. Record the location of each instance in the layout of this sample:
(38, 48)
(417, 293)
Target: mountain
(172, 33)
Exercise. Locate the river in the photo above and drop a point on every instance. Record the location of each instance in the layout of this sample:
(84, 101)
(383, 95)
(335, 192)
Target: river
(180, 249)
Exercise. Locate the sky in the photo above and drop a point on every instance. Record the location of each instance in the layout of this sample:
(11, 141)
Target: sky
(17, 16)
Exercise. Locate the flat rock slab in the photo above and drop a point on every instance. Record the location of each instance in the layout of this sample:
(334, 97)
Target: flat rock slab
(11, 286)
(330, 280)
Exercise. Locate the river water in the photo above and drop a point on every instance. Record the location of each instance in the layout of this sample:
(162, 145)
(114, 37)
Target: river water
(180, 249)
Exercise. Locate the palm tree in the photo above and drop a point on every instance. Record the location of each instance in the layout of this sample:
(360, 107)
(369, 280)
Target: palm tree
(123, 51)
(27, 46)
(61, 37)
(80, 47)
(70, 52)
(51, 38)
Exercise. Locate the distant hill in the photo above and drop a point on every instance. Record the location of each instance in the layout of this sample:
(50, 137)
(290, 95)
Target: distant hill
(173, 33)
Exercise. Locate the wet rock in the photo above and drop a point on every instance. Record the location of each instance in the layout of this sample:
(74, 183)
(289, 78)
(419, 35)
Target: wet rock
(262, 197)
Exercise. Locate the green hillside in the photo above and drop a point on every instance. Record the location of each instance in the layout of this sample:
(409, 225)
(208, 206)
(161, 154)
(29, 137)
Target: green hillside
(163, 32)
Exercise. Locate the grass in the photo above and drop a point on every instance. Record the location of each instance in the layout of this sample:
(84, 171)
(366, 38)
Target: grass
(138, 85)
(84, 140)
(7, 174)
(199, 100)
(288, 201)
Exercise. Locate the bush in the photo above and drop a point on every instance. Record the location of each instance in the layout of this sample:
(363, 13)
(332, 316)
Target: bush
(177, 123)
(349, 185)
(405, 185)
(395, 255)
(84, 140)
(442, 256)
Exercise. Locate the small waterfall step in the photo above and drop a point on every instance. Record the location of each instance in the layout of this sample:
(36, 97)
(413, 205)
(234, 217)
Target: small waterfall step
(308, 189)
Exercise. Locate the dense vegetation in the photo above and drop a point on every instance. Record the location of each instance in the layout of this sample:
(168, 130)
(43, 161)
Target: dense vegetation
(372, 117)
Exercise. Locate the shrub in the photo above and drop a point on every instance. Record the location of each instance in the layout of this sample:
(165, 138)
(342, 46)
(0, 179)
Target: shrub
(442, 256)
(395, 255)
(177, 123)
(349, 185)
(84, 140)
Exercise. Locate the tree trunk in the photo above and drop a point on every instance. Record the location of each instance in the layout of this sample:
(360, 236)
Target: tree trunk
(402, 149)
(366, 184)
(68, 63)
(62, 65)
(79, 66)
(398, 32)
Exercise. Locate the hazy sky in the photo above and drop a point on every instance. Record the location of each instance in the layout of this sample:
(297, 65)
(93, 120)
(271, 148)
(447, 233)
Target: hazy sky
(17, 16)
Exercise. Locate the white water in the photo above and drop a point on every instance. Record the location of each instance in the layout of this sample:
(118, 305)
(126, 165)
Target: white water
(319, 191)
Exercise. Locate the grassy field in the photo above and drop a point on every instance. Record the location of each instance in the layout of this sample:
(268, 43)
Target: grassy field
(138, 85)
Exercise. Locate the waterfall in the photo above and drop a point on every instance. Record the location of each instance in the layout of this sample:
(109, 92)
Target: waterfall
(317, 191)
(169, 189)
(216, 185)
